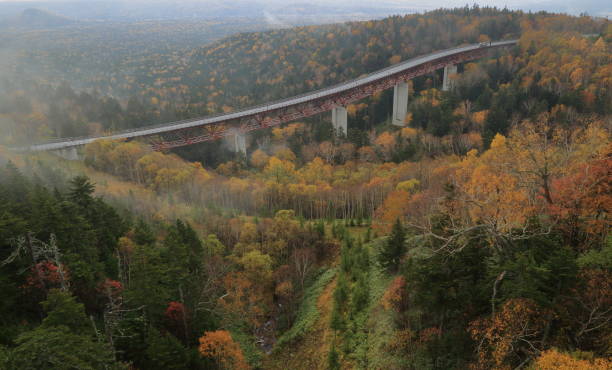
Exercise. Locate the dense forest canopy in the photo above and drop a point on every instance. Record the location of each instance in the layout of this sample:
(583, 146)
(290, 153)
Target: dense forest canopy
(477, 236)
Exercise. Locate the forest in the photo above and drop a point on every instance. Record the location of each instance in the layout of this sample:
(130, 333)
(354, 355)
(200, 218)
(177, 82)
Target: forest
(475, 237)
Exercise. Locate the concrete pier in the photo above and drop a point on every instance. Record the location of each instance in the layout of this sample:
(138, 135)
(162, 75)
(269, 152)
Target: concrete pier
(400, 104)
(339, 120)
(240, 143)
(449, 71)
(70, 153)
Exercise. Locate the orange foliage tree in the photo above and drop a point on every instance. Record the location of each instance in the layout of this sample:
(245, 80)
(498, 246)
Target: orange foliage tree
(555, 360)
(513, 333)
(395, 297)
(219, 346)
(583, 201)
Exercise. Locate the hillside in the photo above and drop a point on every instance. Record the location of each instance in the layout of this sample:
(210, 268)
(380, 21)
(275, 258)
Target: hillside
(251, 68)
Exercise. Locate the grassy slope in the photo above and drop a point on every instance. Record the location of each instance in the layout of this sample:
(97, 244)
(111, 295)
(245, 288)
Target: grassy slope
(309, 352)
(308, 313)
(376, 330)
(379, 326)
(373, 327)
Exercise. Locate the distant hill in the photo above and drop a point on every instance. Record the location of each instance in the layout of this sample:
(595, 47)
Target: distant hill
(37, 18)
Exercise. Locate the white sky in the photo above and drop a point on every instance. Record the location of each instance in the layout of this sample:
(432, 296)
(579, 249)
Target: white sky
(599, 7)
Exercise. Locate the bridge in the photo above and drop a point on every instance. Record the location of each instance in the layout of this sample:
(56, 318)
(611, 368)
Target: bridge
(334, 99)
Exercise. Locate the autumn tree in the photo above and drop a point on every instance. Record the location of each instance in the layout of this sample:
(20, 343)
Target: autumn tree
(219, 346)
(511, 337)
(542, 151)
(583, 203)
(553, 359)
(395, 297)
(259, 158)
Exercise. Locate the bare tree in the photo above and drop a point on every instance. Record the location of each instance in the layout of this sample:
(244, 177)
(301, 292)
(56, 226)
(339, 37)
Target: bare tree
(39, 251)
(303, 259)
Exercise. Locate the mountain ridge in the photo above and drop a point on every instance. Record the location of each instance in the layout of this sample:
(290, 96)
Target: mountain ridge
(35, 18)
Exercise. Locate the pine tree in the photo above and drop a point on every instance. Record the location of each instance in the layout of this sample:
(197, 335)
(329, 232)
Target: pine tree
(336, 321)
(394, 248)
(361, 294)
(333, 361)
(56, 347)
(63, 310)
(64, 340)
(320, 228)
(81, 191)
(341, 293)
(166, 352)
(183, 248)
(143, 234)
(346, 258)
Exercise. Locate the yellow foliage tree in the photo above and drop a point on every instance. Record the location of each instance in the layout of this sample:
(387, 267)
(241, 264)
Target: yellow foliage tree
(259, 158)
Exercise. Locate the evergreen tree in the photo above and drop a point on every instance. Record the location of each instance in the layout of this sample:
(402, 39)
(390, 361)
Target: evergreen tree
(341, 293)
(346, 256)
(394, 248)
(64, 310)
(152, 283)
(166, 352)
(4, 357)
(337, 321)
(143, 234)
(57, 347)
(320, 228)
(81, 191)
(361, 294)
(333, 360)
(184, 248)
(65, 340)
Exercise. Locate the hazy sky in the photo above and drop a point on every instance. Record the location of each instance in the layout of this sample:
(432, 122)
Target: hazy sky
(430, 3)
(595, 7)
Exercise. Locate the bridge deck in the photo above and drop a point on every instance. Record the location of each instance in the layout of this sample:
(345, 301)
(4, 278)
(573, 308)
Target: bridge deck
(266, 107)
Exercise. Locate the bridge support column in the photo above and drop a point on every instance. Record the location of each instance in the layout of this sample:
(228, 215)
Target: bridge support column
(70, 154)
(339, 120)
(240, 143)
(400, 104)
(449, 70)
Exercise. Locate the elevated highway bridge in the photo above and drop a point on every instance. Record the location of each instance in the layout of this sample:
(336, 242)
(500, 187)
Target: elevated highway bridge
(334, 98)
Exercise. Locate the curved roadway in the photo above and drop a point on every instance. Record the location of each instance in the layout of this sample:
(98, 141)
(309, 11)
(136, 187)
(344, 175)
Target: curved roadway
(284, 103)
